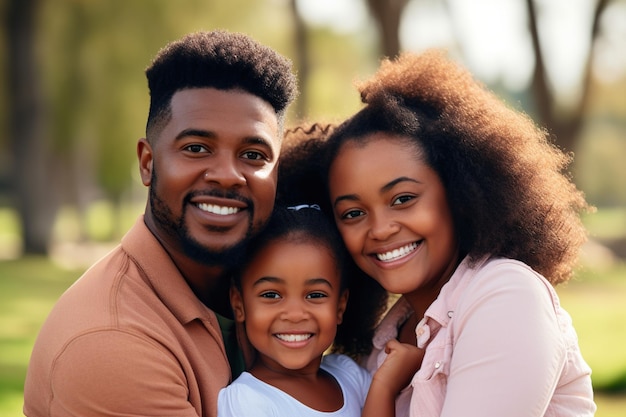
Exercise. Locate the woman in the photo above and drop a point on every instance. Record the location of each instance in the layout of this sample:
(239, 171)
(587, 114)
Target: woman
(448, 197)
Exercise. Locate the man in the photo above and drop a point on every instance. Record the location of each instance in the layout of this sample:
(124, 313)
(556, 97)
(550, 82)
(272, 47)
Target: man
(148, 330)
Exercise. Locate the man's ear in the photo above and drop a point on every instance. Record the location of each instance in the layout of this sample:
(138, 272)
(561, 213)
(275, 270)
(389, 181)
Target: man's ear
(236, 303)
(341, 307)
(146, 161)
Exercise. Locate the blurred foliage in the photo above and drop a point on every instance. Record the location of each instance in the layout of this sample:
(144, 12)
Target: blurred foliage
(93, 54)
(599, 167)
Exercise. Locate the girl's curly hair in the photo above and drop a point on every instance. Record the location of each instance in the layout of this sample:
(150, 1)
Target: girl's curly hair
(505, 181)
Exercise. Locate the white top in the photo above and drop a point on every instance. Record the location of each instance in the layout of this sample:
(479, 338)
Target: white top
(249, 396)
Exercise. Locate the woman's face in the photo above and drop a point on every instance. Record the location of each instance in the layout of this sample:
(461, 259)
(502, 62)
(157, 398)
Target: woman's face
(393, 215)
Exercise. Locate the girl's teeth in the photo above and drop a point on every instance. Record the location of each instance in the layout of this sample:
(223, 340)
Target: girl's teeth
(396, 253)
(293, 337)
(215, 209)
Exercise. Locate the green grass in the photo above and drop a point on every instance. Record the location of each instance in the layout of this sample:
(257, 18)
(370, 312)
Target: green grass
(607, 222)
(597, 304)
(596, 300)
(28, 289)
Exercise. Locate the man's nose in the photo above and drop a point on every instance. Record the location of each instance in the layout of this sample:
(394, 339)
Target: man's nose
(225, 171)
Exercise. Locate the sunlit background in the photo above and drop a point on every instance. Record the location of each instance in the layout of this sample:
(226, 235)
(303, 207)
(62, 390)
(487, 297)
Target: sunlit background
(73, 102)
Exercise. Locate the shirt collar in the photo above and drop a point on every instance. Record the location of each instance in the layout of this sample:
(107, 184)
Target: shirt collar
(441, 311)
(163, 276)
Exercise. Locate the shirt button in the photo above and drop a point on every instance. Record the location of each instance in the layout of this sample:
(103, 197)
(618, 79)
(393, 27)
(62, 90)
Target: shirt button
(420, 331)
(437, 365)
(450, 313)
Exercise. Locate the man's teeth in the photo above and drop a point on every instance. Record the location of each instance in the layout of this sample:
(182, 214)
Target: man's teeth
(294, 337)
(396, 253)
(215, 209)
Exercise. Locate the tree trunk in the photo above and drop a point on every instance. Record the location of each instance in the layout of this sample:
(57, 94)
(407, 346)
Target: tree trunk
(387, 14)
(565, 129)
(32, 177)
(301, 61)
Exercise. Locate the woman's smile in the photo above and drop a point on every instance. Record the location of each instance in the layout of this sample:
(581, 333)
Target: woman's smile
(397, 254)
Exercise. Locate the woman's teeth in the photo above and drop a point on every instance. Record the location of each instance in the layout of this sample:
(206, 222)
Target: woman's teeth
(215, 209)
(396, 253)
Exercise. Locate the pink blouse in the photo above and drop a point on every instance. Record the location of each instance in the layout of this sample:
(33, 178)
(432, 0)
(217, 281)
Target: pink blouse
(497, 344)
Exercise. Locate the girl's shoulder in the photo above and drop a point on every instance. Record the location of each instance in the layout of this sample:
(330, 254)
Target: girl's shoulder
(337, 364)
(346, 370)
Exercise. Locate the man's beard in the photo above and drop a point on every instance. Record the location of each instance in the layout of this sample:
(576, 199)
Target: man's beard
(226, 257)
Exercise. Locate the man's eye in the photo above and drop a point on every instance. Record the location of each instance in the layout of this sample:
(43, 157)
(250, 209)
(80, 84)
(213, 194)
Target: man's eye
(195, 148)
(270, 294)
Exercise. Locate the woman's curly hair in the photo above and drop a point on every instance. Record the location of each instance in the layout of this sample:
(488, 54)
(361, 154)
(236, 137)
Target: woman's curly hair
(301, 181)
(505, 181)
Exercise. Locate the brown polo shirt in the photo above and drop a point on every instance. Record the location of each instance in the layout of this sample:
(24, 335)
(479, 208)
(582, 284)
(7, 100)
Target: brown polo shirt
(128, 338)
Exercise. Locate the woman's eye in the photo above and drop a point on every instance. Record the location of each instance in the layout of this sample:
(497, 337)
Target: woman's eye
(352, 214)
(270, 294)
(195, 148)
(402, 199)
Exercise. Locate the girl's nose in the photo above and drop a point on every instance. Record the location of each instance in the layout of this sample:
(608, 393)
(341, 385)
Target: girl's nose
(295, 311)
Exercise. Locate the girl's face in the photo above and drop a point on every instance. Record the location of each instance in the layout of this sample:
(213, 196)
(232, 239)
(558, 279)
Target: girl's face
(291, 302)
(393, 215)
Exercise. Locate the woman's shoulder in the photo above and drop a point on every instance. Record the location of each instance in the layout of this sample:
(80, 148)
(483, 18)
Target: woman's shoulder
(497, 277)
(510, 269)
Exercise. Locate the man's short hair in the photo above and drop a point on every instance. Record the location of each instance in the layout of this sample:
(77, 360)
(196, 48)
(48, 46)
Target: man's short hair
(222, 60)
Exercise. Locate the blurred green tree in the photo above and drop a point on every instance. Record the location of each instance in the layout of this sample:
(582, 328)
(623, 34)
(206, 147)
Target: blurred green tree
(565, 126)
(76, 97)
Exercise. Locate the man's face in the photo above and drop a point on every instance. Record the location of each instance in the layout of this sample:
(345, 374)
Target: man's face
(211, 173)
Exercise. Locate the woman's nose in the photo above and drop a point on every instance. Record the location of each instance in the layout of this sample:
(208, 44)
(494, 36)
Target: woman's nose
(382, 227)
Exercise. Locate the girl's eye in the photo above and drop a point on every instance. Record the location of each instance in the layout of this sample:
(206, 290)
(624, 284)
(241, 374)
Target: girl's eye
(194, 148)
(402, 199)
(316, 295)
(352, 214)
(270, 294)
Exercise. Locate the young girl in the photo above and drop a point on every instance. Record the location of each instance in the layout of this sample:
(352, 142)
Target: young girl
(291, 295)
(446, 196)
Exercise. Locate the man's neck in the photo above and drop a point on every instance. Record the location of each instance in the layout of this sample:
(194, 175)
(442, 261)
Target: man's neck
(209, 283)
